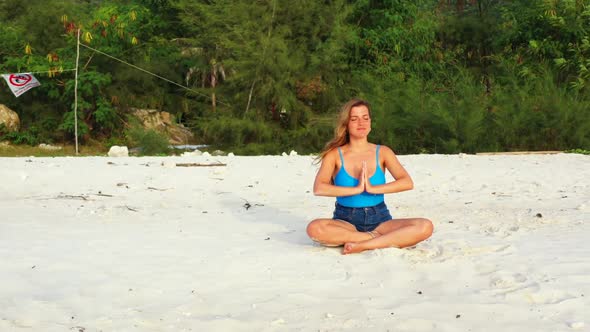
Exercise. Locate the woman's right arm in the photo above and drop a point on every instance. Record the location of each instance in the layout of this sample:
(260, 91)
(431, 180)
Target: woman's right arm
(323, 180)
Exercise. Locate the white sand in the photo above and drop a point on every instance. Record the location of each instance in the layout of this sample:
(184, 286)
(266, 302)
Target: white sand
(141, 245)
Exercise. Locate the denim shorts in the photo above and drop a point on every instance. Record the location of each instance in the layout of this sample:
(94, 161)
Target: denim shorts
(365, 219)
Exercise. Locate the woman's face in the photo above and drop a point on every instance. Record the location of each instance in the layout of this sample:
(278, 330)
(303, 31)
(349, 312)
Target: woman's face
(359, 122)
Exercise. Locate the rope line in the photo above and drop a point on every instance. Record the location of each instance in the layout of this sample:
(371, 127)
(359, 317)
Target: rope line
(149, 72)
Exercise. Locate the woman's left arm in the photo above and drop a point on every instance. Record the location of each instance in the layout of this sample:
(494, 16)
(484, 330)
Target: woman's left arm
(402, 181)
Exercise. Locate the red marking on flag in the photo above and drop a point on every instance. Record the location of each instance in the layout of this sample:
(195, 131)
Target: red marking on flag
(20, 80)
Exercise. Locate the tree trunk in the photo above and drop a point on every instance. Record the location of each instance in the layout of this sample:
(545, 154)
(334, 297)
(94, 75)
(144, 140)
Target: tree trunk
(250, 97)
(274, 7)
(213, 85)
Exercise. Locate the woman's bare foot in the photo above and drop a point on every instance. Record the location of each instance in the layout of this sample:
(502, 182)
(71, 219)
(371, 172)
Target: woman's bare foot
(351, 248)
(354, 247)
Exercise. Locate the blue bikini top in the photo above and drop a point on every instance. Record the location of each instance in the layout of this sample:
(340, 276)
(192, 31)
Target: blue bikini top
(363, 199)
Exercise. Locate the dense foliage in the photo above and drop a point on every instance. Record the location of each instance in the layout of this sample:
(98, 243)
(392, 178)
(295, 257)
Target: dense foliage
(442, 76)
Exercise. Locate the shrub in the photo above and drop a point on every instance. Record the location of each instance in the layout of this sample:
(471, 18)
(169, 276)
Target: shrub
(149, 142)
(29, 136)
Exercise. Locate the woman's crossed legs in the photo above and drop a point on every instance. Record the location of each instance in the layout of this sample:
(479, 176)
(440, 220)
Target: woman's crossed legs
(399, 233)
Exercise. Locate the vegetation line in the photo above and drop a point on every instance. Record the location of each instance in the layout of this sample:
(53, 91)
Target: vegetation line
(450, 76)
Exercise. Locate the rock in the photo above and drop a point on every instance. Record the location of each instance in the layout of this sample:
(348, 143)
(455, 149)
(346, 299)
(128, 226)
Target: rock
(9, 119)
(118, 151)
(206, 154)
(195, 153)
(576, 325)
(49, 147)
(163, 122)
(293, 153)
(218, 153)
(231, 154)
(284, 154)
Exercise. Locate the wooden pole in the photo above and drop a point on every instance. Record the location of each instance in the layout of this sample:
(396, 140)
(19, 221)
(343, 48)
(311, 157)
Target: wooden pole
(76, 93)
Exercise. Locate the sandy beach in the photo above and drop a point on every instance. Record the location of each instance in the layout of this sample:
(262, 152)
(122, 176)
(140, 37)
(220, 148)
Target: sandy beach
(141, 244)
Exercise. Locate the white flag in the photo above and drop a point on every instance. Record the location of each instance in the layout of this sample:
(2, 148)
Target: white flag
(20, 83)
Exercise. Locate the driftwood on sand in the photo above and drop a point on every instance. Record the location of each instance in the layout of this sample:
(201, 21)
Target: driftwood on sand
(198, 164)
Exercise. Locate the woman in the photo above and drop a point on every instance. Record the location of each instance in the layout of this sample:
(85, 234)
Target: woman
(352, 170)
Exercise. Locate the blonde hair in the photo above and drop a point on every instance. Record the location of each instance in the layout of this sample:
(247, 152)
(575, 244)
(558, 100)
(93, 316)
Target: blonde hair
(341, 131)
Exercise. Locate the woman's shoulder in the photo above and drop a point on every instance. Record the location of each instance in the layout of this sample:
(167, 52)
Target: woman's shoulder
(386, 149)
(336, 150)
(332, 154)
